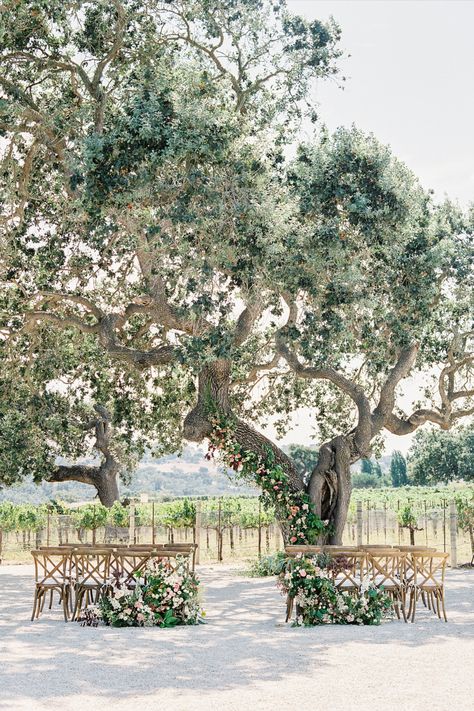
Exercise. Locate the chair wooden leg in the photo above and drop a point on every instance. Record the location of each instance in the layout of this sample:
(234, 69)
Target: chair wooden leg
(395, 605)
(402, 605)
(64, 598)
(51, 598)
(77, 605)
(438, 607)
(289, 608)
(442, 604)
(413, 601)
(41, 598)
(35, 603)
(426, 599)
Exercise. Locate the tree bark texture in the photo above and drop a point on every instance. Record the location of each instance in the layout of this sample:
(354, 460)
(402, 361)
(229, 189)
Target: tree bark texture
(103, 477)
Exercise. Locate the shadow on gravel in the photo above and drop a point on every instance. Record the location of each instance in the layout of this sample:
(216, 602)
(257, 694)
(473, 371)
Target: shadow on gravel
(244, 641)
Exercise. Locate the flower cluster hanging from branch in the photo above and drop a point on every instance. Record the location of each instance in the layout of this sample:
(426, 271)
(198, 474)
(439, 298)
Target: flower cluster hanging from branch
(293, 508)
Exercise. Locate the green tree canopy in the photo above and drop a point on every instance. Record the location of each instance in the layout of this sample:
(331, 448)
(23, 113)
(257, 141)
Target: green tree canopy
(439, 456)
(151, 207)
(366, 466)
(398, 469)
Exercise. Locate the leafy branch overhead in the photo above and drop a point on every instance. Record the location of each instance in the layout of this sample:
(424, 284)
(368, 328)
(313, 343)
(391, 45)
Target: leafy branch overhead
(150, 208)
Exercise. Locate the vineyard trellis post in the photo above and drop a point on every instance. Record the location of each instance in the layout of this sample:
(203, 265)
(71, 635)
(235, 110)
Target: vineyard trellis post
(359, 523)
(153, 522)
(219, 532)
(197, 533)
(368, 522)
(453, 525)
(426, 523)
(131, 526)
(93, 527)
(444, 525)
(259, 528)
(398, 523)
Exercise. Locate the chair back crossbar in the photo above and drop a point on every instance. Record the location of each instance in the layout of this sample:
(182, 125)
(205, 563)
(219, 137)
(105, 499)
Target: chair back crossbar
(91, 566)
(52, 573)
(51, 567)
(349, 578)
(387, 568)
(126, 565)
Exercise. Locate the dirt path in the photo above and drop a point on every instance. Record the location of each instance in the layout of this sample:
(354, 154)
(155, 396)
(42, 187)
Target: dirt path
(243, 659)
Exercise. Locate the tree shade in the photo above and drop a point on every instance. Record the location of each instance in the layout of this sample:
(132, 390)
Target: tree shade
(151, 208)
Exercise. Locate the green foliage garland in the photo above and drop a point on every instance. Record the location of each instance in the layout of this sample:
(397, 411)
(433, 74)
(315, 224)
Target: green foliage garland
(293, 509)
(309, 581)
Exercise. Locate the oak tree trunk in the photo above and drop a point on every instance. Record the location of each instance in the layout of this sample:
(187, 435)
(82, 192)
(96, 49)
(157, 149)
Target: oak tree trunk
(329, 485)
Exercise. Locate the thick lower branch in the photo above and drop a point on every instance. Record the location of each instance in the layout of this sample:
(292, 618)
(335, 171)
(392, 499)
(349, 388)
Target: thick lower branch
(104, 478)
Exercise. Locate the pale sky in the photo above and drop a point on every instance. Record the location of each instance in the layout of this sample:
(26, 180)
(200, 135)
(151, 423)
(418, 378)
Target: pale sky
(409, 81)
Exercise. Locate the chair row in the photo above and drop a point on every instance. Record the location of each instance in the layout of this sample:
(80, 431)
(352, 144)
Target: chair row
(311, 550)
(416, 572)
(81, 574)
(185, 548)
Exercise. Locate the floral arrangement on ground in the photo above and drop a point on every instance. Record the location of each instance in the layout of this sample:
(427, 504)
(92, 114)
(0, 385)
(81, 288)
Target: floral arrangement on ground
(293, 508)
(159, 595)
(310, 581)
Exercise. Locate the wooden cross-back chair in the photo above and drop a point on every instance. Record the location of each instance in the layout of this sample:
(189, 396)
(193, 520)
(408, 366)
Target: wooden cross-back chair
(349, 578)
(52, 573)
(127, 564)
(386, 568)
(409, 550)
(429, 571)
(91, 570)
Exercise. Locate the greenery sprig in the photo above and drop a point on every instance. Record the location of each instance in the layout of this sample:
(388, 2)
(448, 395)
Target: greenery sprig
(294, 509)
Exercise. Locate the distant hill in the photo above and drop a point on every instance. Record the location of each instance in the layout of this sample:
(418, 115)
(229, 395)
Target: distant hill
(187, 475)
(172, 476)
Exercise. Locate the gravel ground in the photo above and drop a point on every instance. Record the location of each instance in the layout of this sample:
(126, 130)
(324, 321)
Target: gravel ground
(243, 659)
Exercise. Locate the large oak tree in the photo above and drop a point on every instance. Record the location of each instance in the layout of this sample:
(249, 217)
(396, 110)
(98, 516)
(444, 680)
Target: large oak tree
(152, 203)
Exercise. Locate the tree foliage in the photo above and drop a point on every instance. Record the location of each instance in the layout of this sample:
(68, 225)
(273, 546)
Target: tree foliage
(398, 469)
(152, 208)
(438, 456)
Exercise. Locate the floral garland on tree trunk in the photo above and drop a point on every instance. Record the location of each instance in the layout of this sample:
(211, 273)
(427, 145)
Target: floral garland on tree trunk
(294, 509)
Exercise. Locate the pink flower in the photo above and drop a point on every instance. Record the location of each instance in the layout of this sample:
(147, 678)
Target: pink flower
(302, 573)
(293, 539)
(276, 487)
(139, 604)
(140, 617)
